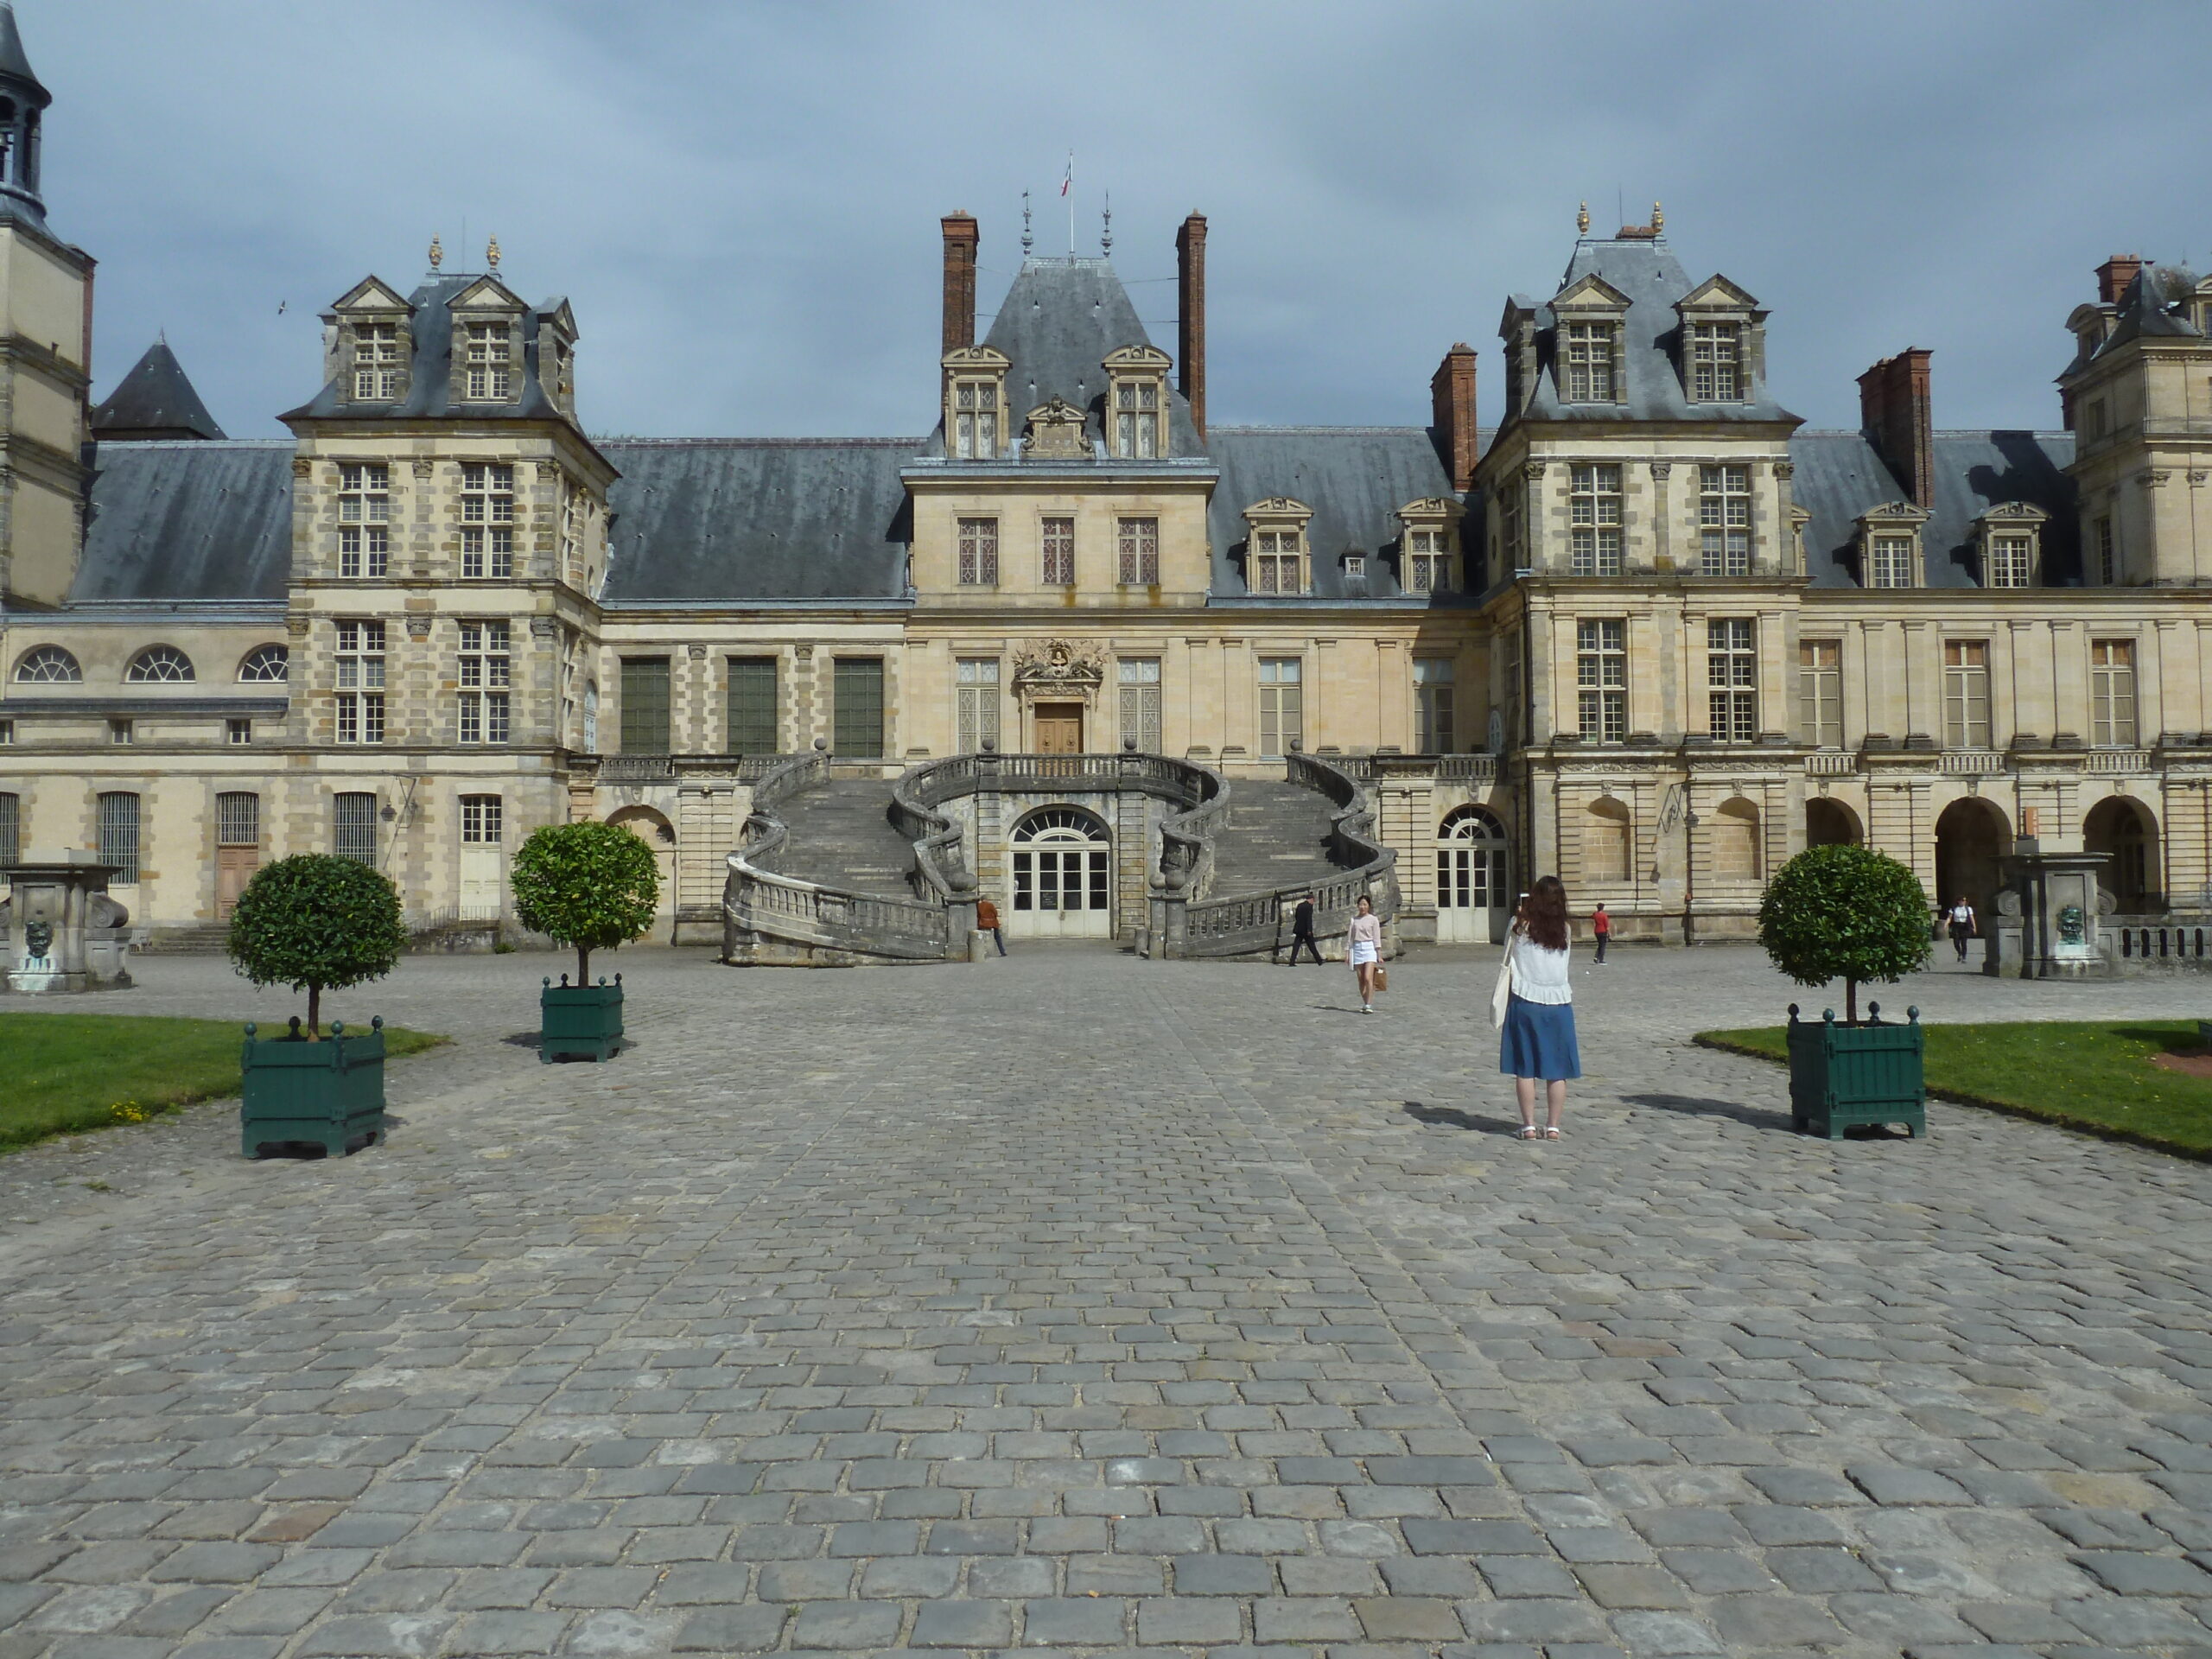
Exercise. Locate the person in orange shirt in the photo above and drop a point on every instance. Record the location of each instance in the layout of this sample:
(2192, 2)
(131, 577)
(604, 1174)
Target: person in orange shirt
(987, 919)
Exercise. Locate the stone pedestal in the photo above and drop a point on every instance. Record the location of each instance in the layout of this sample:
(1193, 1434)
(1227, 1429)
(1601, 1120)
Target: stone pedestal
(2048, 923)
(63, 931)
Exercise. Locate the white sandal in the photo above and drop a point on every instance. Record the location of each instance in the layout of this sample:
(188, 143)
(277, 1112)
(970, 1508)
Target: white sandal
(1529, 1132)
(1552, 1132)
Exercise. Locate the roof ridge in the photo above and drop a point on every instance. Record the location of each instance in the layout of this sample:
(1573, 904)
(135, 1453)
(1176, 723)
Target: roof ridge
(604, 438)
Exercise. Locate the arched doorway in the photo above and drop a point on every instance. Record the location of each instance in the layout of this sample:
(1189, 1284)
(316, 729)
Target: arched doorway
(1063, 876)
(1831, 823)
(2122, 829)
(655, 830)
(1971, 837)
(1473, 895)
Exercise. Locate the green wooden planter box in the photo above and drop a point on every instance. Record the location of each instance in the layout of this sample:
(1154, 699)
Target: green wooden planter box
(1844, 1075)
(580, 1022)
(330, 1092)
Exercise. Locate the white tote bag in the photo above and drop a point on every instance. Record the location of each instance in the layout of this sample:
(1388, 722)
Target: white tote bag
(1501, 995)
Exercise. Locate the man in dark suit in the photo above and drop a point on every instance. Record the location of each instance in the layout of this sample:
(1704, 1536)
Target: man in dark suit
(1301, 930)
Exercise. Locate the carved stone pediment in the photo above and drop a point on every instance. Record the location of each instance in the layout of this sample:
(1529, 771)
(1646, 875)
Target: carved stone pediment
(1058, 670)
(1055, 431)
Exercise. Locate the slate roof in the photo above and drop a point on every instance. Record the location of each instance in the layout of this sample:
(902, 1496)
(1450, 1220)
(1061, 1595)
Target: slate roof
(195, 520)
(1059, 321)
(2155, 304)
(429, 384)
(1355, 477)
(738, 518)
(14, 62)
(1839, 476)
(155, 400)
(1645, 270)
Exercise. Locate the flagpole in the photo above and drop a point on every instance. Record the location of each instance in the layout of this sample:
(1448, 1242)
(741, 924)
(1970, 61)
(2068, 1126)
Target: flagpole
(1070, 204)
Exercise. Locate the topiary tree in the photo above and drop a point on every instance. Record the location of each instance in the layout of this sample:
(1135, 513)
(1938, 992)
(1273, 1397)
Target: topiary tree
(592, 885)
(317, 922)
(1847, 913)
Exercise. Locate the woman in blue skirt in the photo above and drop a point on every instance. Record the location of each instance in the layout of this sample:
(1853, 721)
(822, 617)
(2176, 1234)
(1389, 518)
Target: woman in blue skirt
(1537, 1041)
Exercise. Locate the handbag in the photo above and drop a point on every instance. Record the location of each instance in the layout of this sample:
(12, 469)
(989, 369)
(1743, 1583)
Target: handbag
(1381, 977)
(1501, 995)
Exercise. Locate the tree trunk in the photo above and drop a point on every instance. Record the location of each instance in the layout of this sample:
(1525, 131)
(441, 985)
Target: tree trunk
(1850, 1001)
(583, 964)
(314, 1013)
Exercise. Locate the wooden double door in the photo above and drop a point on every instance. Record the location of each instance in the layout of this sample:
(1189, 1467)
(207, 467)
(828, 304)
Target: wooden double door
(1058, 728)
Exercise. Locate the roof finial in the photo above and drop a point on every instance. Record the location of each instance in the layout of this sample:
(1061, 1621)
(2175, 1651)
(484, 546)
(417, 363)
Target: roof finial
(1028, 241)
(491, 253)
(1658, 219)
(1106, 233)
(437, 253)
(1582, 220)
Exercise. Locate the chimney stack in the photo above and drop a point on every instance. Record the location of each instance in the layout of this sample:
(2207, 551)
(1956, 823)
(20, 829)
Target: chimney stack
(1897, 413)
(1191, 317)
(2115, 274)
(1451, 396)
(960, 239)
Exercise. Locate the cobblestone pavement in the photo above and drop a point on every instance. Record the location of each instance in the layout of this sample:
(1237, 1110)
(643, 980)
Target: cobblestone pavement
(1077, 1303)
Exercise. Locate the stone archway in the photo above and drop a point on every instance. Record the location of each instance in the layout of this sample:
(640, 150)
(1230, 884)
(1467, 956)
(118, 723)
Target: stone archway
(1830, 822)
(652, 827)
(2123, 830)
(1971, 837)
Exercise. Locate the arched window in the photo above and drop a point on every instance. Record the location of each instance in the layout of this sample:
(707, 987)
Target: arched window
(159, 665)
(265, 665)
(1736, 842)
(1471, 872)
(1062, 874)
(1606, 837)
(48, 665)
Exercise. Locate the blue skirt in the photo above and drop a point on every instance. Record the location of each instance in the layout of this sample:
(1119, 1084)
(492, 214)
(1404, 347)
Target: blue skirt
(1538, 1041)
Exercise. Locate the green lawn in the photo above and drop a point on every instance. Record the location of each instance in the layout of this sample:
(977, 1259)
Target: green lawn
(2092, 1076)
(62, 1072)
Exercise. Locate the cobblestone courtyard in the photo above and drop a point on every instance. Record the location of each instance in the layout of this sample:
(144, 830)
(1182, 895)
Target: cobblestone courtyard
(1077, 1303)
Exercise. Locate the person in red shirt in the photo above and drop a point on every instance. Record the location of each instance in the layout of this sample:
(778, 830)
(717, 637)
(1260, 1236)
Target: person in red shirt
(1601, 928)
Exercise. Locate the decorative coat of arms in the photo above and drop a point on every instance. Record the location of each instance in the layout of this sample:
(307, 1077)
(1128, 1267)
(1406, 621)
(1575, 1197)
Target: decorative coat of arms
(1058, 670)
(1056, 429)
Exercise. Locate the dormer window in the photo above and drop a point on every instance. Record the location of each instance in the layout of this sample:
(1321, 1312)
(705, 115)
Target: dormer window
(1590, 348)
(1275, 551)
(1889, 545)
(1136, 386)
(2011, 544)
(491, 371)
(1716, 363)
(376, 362)
(1430, 543)
(1589, 314)
(975, 403)
(1723, 336)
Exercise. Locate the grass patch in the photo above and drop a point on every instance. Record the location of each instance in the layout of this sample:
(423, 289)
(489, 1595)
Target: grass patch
(2094, 1075)
(63, 1072)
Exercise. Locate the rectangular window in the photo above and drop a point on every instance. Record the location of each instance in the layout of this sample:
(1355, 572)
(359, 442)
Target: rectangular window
(1715, 374)
(1891, 560)
(363, 518)
(487, 520)
(975, 420)
(1590, 363)
(2107, 555)
(490, 373)
(1137, 419)
(1820, 691)
(1060, 552)
(2112, 693)
(376, 362)
(7, 734)
(240, 732)
(1278, 562)
(857, 714)
(485, 674)
(1434, 708)
(1724, 518)
(1140, 688)
(2011, 561)
(1508, 519)
(238, 820)
(2093, 421)
(752, 712)
(979, 702)
(481, 818)
(1594, 512)
(359, 679)
(1138, 541)
(1428, 561)
(119, 836)
(644, 705)
(1965, 694)
(121, 732)
(354, 828)
(11, 827)
(1601, 680)
(1732, 679)
(1282, 705)
(979, 552)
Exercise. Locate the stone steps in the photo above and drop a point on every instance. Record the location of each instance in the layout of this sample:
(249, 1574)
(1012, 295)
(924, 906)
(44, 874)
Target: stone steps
(1276, 834)
(841, 836)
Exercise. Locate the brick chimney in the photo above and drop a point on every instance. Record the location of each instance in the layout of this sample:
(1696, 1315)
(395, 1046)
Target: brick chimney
(2115, 274)
(1191, 317)
(1451, 399)
(1897, 413)
(960, 239)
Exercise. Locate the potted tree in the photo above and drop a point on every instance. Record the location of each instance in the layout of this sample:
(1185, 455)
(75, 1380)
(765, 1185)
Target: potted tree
(594, 887)
(317, 924)
(1853, 914)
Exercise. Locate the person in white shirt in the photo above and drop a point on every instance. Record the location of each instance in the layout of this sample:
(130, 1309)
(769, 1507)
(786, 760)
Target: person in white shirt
(1363, 950)
(1537, 1043)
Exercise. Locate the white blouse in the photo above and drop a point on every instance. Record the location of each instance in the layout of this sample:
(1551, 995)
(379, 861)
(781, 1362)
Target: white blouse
(1539, 976)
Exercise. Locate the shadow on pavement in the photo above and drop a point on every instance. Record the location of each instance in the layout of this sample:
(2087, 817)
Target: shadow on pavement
(1698, 1106)
(1450, 1117)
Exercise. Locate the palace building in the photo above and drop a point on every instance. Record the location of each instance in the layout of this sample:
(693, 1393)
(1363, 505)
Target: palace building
(1649, 632)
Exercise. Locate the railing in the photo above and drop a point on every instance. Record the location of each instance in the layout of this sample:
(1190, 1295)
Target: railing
(2117, 761)
(635, 768)
(1970, 763)
(2150, 944)
(1246, 923)
(1831, 763)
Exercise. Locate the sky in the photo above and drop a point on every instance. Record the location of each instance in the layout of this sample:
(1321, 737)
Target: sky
(740, 200)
